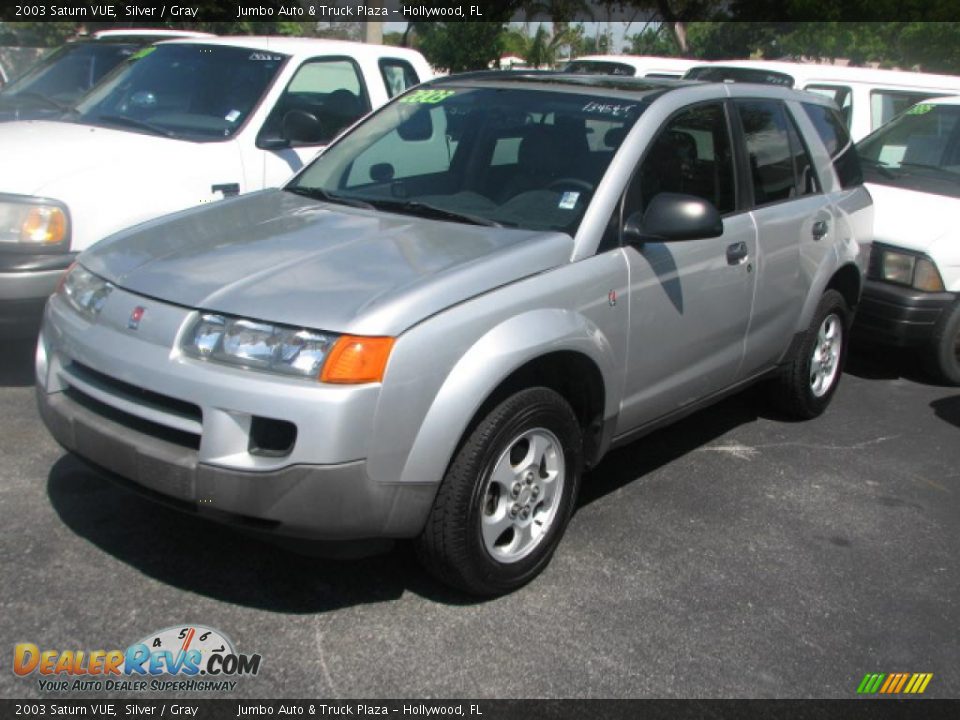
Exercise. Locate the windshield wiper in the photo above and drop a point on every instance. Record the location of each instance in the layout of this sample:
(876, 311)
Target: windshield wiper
(321, 194)
(884, 170)
(134, 123)
(413, 207)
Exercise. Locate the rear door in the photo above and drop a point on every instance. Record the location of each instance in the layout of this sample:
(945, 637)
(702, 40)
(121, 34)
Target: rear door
(795, 226)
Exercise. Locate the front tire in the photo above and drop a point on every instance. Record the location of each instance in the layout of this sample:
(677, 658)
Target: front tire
(943, 356)
(807, 384)
(507, 496)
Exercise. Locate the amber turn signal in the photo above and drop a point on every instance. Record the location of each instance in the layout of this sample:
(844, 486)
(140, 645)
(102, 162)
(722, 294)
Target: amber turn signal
(355, 360)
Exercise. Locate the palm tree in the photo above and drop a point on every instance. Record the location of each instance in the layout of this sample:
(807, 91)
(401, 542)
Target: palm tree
(561, 13)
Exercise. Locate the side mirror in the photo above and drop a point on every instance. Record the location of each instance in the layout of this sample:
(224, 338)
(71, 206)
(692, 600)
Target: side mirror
(672, 217)
(302, 127)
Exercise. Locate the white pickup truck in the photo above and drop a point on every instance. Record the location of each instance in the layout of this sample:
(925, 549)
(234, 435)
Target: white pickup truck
(182, 123)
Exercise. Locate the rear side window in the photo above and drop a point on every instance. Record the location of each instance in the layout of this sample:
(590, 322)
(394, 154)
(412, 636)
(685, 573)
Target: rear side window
(772, 156)
(398, 75)
(833, 132)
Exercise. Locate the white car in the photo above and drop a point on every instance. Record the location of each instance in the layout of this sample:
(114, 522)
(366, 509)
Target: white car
(867, 98)
(650, 66)
(184, 122)
(912, 294)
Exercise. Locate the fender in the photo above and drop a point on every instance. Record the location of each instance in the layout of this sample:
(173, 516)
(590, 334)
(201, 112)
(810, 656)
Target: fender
(853, 218)
(486, 364)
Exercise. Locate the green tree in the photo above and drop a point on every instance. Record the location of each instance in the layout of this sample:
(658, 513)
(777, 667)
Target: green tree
(460, 46)
(542, 53)
(516, 42)
(654, 41)
(934, 46)
(560, 13)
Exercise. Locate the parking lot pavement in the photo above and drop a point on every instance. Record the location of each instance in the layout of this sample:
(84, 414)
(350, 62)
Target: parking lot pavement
(731, 555)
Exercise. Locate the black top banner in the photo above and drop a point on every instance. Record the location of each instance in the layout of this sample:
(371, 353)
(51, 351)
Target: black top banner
(147, 12)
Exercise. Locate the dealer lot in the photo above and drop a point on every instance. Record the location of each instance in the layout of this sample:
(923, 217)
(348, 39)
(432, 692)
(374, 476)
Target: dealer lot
(731, 555)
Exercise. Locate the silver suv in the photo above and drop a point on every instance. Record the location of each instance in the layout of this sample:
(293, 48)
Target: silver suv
(468, 299)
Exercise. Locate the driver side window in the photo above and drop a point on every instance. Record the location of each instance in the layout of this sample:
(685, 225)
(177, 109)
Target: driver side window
(329, 89)
(691, 155)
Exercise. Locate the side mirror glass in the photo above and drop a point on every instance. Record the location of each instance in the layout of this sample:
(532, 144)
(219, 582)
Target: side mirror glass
(672, 217)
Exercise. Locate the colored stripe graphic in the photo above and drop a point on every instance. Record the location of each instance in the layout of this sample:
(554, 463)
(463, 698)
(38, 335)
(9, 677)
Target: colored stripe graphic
(870, 683)
(894, 683)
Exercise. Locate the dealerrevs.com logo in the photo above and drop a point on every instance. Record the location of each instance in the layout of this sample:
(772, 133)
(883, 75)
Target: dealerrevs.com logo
(190, 657)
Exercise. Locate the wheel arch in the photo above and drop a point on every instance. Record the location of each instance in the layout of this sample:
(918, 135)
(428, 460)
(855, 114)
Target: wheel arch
(844, 277)
(848, 282)
(554, 348)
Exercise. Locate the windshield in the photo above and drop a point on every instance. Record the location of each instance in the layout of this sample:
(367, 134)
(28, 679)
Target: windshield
(68, 72)
(190, 91)
(919, 150)
(513, 157)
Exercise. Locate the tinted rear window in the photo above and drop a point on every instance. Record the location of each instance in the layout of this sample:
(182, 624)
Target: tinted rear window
(833, 132)
(591, 67)
(735, 74)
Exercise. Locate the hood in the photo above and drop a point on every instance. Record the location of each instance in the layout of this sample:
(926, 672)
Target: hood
(283, 258)
(911, 219)
(39, 155)
(11, 109)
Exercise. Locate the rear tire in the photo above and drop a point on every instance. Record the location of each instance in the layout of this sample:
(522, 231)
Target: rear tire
(807, 384)
(942, 359)
(507, 496)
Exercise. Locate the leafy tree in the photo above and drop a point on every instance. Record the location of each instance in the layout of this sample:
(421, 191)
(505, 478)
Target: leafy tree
(516, 42)
(931, 45)
(542, 53)
(561, 14)
(460, 46)
(654, 41)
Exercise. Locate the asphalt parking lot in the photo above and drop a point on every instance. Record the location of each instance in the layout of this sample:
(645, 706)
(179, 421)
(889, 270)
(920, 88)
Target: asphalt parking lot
(732, 555)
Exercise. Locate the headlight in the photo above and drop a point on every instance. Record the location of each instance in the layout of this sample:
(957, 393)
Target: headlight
(328, 357)
(257, 345)
(85, 291)
(904, 268)
(34, 223)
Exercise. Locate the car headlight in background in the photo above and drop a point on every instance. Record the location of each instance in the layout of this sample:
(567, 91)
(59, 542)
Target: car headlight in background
(85, 291)
(905, 268)
(33, 222)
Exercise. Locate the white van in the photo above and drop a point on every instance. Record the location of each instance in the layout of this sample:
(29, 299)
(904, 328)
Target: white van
(912, 294)
(867, 98)
(649, 66)
(184, 122)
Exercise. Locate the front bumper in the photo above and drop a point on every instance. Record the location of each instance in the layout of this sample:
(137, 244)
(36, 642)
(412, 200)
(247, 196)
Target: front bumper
(326, 502)
(182, 430)
(26, 281)
(900, 316)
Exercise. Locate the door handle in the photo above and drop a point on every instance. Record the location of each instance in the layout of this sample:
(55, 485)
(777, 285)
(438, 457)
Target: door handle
(820, 228)
(736, 253)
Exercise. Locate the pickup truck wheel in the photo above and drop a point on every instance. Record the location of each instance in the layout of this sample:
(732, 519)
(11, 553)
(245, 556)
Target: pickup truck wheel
(507, 496)
(808, 382)
(943, 357)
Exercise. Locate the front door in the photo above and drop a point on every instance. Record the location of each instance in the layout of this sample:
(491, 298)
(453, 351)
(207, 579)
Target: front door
(689, 300)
